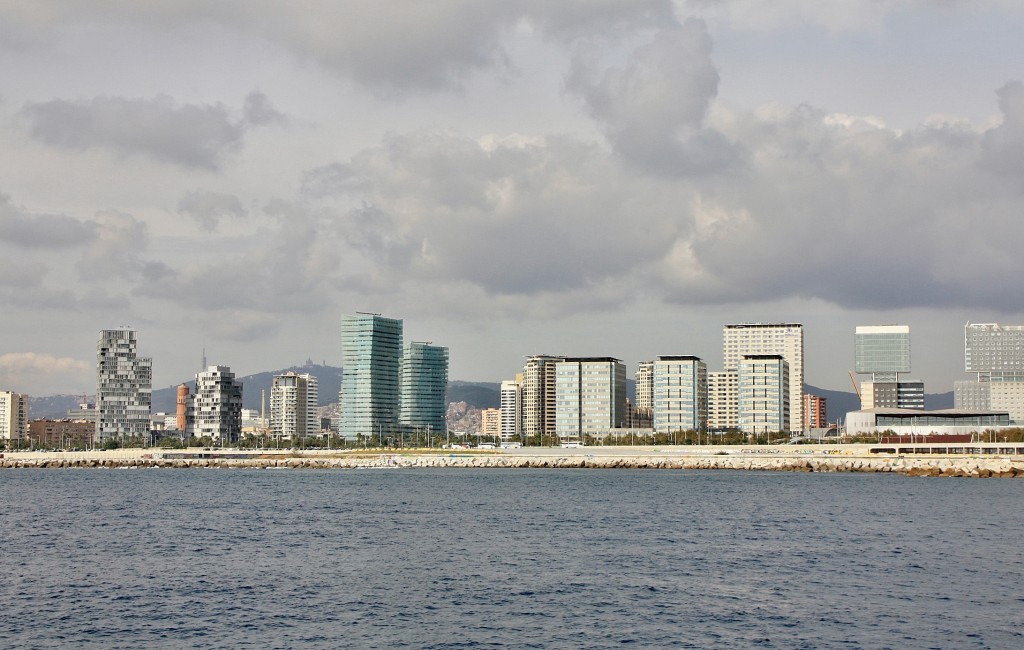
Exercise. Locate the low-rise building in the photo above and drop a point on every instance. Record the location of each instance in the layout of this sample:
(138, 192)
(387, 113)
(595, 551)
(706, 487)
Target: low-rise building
(61, 434)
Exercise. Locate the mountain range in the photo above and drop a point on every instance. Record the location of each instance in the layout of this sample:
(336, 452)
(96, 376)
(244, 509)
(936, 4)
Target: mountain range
(478, 395)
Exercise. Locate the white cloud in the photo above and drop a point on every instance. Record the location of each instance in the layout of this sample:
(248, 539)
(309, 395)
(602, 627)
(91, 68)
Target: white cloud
(41, 373)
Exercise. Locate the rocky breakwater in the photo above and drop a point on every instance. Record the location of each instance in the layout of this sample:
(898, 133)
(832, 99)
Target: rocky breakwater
(957, 466)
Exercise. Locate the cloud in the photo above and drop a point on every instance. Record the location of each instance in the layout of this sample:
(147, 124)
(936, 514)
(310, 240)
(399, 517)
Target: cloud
(392, 47)
(31, 371)
(1003, 146)
(814, 205)
(117, 250)
(208, 208)
(27, 230)
(188, 135)
(653, 108)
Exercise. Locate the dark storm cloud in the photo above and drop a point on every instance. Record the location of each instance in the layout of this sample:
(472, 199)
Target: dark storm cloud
(27, 230)
(189, 135)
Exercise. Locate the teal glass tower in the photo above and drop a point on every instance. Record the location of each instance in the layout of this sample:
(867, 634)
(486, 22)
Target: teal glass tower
(371, 352)
(424, 387)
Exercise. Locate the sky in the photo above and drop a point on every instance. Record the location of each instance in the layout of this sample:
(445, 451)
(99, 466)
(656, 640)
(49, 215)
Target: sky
(585, 177)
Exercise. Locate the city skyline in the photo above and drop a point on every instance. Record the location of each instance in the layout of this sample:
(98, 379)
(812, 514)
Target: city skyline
(512, 179)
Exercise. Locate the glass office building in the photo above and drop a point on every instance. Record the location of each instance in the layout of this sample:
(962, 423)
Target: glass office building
(883, 351)
(424, 387)
(680, 394)
(371, 352)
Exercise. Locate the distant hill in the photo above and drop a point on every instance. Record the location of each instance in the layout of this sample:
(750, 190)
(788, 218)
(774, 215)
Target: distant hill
(328, 382)
(479, 394)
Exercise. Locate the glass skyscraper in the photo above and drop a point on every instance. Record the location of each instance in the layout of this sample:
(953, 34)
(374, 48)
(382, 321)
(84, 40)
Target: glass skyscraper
(371, 352)
(882, 351)
(424, 387)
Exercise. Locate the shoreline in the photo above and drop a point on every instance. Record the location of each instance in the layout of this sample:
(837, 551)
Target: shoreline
(831, 460)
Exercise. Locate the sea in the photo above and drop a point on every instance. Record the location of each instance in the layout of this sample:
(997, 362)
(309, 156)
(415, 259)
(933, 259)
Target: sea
(493, 558)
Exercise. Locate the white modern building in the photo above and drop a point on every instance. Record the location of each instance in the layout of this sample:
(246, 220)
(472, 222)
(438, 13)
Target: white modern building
(124, 388)
(294, 399)
(917, 422)
(783, 339)
(590, 397)
(680, 394)
(539, 397)
(994, 353)
(883, 351)
(764, 402)
(644, 385)
(13, 417)
(723, 400)
(512, 408)
(216, 406)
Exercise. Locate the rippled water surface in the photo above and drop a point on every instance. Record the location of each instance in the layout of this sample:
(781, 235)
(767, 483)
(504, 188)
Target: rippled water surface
(517, 558)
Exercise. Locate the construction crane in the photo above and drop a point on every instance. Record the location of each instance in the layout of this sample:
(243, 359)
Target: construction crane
(854, 382)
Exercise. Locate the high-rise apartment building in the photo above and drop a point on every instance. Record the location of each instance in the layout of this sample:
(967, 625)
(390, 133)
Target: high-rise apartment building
(815, 412)
(216, 407)
(13, 417)
(539, 397)
(371, 352)
(680, 394)
(764, 383)
(723, 400)
(644, 385)
(423, 382)
(490, 423)
(995, 354)
(512, 408)
(124, 387)
(590, 396)
(783, 339)
(294, 399)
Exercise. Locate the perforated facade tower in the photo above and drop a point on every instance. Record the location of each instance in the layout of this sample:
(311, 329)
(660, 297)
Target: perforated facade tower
(124, 387)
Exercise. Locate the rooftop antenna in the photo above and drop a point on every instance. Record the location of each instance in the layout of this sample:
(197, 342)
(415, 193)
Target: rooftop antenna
(203, 369)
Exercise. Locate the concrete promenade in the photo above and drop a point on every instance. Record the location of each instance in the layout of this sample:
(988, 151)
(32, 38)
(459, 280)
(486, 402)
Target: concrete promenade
(986, 462)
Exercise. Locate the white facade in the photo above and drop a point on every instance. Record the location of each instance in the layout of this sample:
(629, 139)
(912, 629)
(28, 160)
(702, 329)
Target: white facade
(680, 394)
(764, 403)
(996, 354)
(511, 408)
(590, 396)
(216, 407)
(539, 396)
(294, 399)
(645, 385)
(723, 400)
(784, 339)
(124, 387)
(13, 416)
